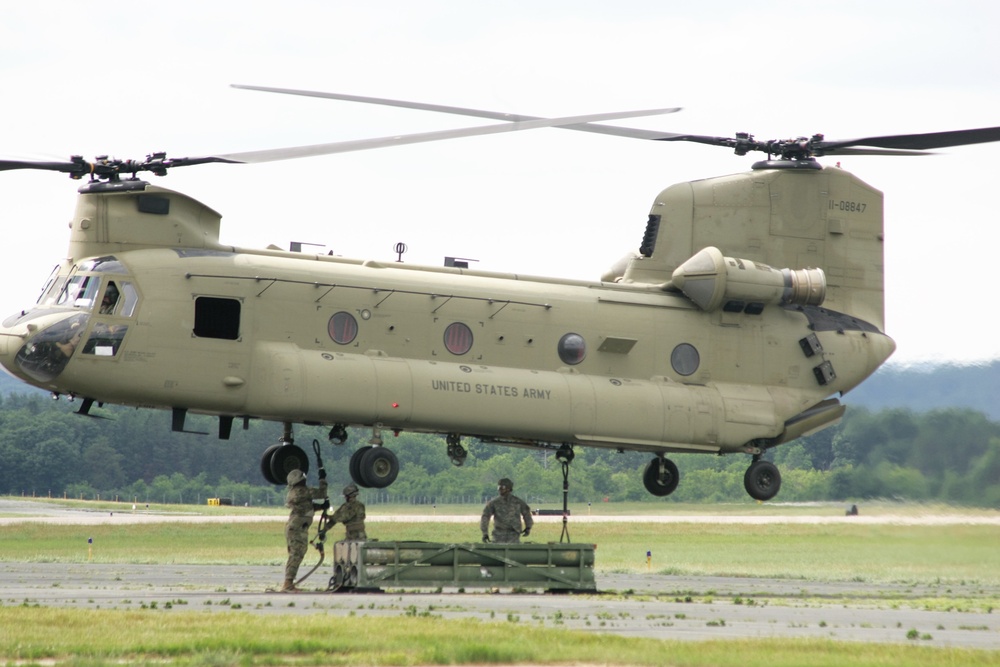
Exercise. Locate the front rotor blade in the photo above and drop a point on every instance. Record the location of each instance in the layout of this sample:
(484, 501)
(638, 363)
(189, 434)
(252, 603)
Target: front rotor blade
(463, 111)
(67, 167)
(421, 137)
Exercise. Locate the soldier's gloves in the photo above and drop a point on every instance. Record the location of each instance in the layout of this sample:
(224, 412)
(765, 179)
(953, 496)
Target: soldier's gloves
(526, 532)
(322, 473)
(486, 538)
(325, 505)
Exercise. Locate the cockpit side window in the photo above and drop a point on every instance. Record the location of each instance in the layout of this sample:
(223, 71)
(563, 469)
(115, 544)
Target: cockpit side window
(52, 285)
(130, 298)
(110, 299)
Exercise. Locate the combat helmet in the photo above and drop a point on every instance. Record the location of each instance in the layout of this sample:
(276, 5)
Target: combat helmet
(295, 476)
(506, 482)
(350, 490)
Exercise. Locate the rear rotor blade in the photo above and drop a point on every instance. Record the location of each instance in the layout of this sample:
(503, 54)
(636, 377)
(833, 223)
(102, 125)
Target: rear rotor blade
(919, 141)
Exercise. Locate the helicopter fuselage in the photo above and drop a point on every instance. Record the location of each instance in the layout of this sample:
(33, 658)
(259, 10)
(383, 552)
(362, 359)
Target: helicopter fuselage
(317, 339)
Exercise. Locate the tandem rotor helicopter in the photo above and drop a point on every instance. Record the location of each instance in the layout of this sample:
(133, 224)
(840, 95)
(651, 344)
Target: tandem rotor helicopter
(751, 304)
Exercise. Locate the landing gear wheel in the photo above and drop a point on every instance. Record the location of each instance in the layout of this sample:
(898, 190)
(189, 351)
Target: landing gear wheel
(661, 483)
(762, 480)
(265, 465)
(378, 467)
(287, 458)
(354, 466)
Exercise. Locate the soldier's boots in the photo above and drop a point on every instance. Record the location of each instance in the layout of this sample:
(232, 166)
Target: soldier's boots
(288, 587)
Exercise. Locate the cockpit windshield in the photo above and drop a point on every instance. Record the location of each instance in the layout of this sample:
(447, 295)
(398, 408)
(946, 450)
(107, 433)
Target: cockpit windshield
(79, 292)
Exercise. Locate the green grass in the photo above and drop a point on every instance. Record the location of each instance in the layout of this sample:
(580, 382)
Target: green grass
(929, 555)
(97, 637)
(959, 554)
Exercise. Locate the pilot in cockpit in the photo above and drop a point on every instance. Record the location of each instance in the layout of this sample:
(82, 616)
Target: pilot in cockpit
(110, 299)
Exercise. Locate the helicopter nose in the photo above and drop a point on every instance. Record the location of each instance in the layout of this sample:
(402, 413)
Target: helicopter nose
(37, 346)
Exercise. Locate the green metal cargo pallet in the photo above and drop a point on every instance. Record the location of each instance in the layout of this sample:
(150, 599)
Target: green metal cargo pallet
(374, 565)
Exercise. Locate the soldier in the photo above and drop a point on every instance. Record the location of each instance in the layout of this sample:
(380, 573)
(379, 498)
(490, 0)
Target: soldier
(507, 511)
(300, 499)
(351, 514)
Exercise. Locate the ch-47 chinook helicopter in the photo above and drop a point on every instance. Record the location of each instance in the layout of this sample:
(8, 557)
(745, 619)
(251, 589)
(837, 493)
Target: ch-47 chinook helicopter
(752, 302)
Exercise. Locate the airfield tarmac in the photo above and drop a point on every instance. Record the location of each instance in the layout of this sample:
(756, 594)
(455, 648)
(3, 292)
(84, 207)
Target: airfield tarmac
(641, 605)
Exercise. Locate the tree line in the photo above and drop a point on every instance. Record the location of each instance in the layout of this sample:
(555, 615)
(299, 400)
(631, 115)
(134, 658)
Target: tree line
(948, 455)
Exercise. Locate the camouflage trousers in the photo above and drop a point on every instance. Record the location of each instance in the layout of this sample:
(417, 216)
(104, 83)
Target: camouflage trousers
(506, 537)
(297, 537)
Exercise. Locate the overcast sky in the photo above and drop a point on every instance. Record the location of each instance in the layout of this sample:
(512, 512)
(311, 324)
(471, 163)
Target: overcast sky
(131, 79)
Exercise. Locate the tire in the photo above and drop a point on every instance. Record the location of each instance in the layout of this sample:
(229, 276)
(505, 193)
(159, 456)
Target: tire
(651, 477)
(265, 465)
(762, 480)
(379, 467)
(287, 458)
(354, 466)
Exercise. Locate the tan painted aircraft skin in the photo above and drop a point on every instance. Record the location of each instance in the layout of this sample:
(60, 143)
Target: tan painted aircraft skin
(746, 376)
(752, 303)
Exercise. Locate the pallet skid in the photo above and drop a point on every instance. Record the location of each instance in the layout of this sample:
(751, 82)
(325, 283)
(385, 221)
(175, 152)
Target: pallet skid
(374, 565)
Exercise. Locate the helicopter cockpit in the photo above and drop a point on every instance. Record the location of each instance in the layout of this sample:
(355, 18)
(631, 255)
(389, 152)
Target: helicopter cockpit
(84, 308)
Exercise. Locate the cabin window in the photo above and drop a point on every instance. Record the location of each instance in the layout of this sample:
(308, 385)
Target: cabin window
(572, 349)
(458, 338)
(343, 328)
(685, 359)
(215, 317)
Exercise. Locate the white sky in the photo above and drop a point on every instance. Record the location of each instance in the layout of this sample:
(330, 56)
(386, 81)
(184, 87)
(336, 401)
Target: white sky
(133, 78)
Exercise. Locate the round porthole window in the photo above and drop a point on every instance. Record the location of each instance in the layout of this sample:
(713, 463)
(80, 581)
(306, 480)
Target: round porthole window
(572, 349)
(342, 327)
(458, 338)
(685, 359)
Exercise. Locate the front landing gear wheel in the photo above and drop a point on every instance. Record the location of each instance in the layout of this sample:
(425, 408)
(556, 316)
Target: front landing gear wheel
(661, 476)
(287, 458)
(762, 480)
(265, 465)
(354, 466)
(378, 467)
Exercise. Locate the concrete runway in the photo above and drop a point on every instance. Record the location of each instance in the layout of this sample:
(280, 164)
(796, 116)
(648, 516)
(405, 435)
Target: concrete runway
(641, 605)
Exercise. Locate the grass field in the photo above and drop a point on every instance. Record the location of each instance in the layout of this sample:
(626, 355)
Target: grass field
(877, 553)
(911, 554)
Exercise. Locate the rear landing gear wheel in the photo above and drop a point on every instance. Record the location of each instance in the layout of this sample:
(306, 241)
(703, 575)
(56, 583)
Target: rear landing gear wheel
(661, 476)
(762, 480)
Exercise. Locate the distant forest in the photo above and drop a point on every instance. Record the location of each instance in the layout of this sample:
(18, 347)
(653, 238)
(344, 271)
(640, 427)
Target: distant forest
(914, 445)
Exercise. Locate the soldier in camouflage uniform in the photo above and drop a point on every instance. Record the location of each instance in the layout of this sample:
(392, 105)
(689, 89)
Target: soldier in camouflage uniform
(507, 511)
(351, 514)
(300, 499)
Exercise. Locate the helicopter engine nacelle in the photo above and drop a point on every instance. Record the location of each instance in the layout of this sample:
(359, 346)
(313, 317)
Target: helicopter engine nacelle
(742, 285)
